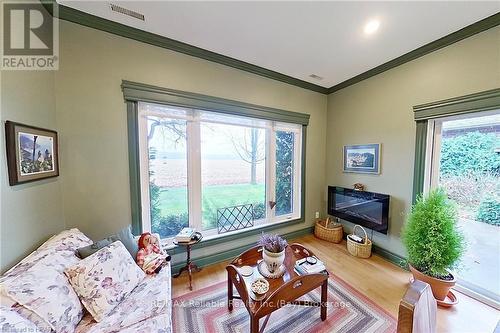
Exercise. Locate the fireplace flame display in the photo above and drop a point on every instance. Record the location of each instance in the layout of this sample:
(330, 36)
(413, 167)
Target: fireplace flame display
(368, 209)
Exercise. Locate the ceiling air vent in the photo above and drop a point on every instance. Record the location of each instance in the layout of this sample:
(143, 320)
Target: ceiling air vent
(126, 11)
(316, 77)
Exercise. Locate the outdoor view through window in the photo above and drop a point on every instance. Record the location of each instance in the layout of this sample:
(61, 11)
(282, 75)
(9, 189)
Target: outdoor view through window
(469, 171)
(216, 172)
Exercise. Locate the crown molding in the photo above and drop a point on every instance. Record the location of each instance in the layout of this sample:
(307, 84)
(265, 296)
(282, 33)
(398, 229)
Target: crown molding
(477, 102)
(99, 23)
(468, 31)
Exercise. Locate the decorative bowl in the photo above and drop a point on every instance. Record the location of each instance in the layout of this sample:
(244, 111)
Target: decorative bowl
(259, 286)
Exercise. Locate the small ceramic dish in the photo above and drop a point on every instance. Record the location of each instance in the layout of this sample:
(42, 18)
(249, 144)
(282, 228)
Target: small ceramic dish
(259, 286)
(246, 270)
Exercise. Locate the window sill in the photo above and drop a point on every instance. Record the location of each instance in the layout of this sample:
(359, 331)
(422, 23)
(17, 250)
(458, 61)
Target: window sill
(173, 249)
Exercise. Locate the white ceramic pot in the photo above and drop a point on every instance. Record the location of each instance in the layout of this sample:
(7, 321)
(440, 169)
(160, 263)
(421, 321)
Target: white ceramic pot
(273, 260)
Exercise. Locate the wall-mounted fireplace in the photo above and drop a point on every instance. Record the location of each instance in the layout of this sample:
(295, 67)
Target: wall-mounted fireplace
(368, 209)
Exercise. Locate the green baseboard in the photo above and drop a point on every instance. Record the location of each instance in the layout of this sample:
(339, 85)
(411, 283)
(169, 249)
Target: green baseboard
(211, 259)
(394, 258)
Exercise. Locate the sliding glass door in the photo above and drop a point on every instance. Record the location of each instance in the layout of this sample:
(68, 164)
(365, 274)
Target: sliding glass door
(464, 158)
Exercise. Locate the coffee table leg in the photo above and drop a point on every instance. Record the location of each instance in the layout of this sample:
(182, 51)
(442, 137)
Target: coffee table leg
(324, 290)
(254, 325)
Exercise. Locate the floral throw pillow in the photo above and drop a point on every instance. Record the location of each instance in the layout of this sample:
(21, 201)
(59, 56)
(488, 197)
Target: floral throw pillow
(58, 252)
(11, 321)
(104, 279)
(47, 293)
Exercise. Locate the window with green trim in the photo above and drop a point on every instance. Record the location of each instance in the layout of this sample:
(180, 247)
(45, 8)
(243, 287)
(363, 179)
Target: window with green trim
(215, 171)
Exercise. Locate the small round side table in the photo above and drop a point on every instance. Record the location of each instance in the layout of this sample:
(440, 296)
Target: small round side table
(190, 266)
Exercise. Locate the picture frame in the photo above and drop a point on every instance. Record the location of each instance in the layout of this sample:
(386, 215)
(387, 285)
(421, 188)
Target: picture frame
(362, 158)
(32, 153)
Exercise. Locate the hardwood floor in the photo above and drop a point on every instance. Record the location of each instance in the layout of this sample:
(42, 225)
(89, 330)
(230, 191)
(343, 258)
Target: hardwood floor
(378, 279)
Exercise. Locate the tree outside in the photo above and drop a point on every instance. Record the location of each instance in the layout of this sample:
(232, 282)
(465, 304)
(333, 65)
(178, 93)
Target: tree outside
(233, 172)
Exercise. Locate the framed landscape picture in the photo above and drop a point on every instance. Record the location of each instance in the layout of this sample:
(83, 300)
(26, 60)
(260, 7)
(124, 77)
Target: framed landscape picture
(31, 153)
(362, 158)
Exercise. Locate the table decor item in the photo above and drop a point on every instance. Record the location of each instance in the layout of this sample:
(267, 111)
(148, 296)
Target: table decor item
(361, 250)
(259, 286)
(273, 251)
(330, 231)
(309, 265)
(246, 270)
(358, 187)
(184, 236)
(264, 271)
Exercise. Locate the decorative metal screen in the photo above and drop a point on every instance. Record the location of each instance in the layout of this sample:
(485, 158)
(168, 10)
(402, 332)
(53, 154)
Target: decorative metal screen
(234, 218)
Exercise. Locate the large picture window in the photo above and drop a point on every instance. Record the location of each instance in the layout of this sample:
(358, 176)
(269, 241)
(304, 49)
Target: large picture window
(199, 168)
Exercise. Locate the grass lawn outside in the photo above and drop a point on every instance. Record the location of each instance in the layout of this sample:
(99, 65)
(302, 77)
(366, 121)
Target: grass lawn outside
(174, 201)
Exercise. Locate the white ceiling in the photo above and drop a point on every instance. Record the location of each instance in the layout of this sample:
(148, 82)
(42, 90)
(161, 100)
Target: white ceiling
(301, 38)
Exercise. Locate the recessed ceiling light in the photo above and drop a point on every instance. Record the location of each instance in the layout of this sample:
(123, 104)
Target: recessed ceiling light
(371, 27)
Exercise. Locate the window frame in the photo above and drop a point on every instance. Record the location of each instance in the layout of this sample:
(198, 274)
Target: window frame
(425, 113)
(138, 92)
(428, 118)
(194, 121)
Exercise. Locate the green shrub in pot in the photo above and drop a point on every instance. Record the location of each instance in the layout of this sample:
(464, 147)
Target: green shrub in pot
(433, 241)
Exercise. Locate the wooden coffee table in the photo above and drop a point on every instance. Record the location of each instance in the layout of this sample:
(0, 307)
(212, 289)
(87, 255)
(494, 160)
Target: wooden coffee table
(284, 290)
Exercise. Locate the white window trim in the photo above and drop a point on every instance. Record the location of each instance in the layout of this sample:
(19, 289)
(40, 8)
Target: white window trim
(144, 170)
(433, 144)
(431, 181)
(194, 183)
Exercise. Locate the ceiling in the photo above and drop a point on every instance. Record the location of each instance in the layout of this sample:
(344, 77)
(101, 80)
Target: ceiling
(298, 39)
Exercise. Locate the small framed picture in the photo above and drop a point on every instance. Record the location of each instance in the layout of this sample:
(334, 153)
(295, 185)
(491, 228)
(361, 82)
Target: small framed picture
(362, 158)
(31, 153)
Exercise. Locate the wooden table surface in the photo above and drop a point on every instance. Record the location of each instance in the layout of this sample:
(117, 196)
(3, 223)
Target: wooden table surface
(283, 290)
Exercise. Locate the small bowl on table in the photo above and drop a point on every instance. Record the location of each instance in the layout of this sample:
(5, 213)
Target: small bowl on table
(259, 287)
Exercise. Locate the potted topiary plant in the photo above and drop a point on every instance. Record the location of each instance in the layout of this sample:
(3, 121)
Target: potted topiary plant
(433, 241)
(273, 251)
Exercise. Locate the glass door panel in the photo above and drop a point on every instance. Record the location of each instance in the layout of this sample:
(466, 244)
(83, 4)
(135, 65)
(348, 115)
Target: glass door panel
(467, 166)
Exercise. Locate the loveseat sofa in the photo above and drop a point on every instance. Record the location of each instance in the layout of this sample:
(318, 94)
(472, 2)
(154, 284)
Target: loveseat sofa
(53, 290)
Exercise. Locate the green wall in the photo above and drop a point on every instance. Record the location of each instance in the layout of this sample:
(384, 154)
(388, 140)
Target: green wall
(91, 116)
(84, 103)
(30, 213)
(379, 110)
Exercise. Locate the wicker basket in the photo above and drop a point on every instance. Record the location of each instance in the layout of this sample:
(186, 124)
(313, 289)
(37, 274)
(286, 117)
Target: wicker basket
(359, 250)
(331, 232)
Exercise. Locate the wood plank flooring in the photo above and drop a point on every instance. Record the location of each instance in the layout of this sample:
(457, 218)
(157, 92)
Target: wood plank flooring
(380, 280)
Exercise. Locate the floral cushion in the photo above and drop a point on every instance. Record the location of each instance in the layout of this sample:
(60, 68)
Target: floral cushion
(11, 321)
(148, 307)
(58, 252)
(46, 292)
(27, 314)
(104, 279)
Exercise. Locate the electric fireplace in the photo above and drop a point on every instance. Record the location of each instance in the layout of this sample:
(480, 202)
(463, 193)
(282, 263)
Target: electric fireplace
(368, 209)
